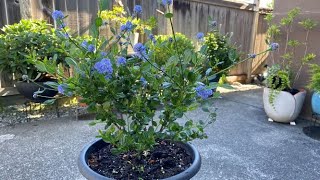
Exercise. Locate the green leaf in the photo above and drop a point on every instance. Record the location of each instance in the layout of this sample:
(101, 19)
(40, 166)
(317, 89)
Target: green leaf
(71, 62)
(49, 101)
(168, 15)
(41, 66)
(104, 5)
(208, 71)
(99, 22)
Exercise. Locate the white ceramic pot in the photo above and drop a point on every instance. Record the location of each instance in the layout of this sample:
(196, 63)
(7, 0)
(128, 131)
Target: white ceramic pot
(286, 107)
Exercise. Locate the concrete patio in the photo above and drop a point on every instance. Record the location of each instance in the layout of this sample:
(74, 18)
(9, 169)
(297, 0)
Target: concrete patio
(242, 144)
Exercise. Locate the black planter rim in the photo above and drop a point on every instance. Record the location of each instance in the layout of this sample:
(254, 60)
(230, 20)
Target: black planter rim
(88, 173)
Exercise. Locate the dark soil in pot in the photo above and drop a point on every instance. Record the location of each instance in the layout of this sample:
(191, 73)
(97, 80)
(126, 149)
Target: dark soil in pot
(165, 160)
(292, 91)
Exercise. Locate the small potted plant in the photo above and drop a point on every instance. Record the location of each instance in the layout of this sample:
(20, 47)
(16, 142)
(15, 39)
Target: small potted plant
(21, 45)
(282, 100)
(315, 86)
(118, 16)
(139, 101)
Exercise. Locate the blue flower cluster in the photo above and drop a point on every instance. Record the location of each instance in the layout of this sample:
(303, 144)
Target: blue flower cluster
(104, 67)
(140, 51)
(57, 15)
(166, 2)
(143, 81)
(103, 54)
(62, 89)
(137, 9)
(203, 92)
(252, 56)
(126, 27)
(121, 61)
(213, 24)
(152, 38)
(274, 46)
(200, 36)
(88, 47)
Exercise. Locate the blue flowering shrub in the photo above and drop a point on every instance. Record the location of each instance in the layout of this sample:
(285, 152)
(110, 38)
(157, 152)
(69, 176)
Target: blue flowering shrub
(23, 43)
(136, 97)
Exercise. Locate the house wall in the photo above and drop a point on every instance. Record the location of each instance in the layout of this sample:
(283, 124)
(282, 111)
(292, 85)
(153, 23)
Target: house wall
(309, 9)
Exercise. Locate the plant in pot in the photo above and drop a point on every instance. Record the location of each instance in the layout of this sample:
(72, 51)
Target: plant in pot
(21, 45)
(220, 54)
(282, 100)
(315, 86)
(118, 16)
(140, 103)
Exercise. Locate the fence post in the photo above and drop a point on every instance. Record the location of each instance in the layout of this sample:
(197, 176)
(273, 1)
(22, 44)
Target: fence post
(25, 9)
(254, 28)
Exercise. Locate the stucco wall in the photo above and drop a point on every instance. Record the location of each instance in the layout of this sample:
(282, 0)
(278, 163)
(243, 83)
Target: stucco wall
(309, 9)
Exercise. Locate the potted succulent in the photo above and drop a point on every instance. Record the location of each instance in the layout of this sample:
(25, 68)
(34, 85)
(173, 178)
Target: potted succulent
(315, 86)
(282, 100)
(139, 101)
(21, 45)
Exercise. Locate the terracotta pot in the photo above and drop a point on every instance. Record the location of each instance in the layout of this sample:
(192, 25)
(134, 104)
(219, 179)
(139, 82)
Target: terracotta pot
(286, 107)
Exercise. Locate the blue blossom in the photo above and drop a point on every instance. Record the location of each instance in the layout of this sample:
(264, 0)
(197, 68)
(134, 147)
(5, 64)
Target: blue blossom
(118, 37)
(62, 88)
(57, 15)
(140, 51)
(66, 35)
(137, 9)
(252, 56)
(62, 25)
(213, 24)
(152, 38)
(166, 2)
(203, 92)
(104, 67)
(103, 54)
(274, 46)
(84, 44)
(170, 39)
(91, 48)
(200, 35)
(126, 27)
(121, 61)
(143, 81)
(35, 95)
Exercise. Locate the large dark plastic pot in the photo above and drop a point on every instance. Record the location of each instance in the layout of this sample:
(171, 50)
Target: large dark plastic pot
(94, 146)
(27, 89)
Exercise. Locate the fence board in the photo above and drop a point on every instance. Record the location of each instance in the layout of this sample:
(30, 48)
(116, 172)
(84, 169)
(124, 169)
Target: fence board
(190, 17)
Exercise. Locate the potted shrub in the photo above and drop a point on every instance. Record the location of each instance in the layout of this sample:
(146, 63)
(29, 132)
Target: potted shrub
(23, 43)
(139, 102)
(221, 53)
(118, 16)
(282, 100)
(315, 86)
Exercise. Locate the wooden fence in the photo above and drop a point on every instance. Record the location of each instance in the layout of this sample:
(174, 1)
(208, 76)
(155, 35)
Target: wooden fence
(190, 17)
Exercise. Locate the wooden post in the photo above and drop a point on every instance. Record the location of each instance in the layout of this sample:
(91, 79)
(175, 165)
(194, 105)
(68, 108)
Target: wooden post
(25, 9)
(254, 28)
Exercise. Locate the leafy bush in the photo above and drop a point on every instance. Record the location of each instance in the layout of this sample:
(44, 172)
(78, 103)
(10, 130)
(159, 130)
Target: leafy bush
(315, 78)
(140, 97)
(163, 47)
(29, 40)
(220, 53)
